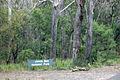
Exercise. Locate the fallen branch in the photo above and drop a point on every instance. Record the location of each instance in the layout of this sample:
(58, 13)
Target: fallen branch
(81, 68)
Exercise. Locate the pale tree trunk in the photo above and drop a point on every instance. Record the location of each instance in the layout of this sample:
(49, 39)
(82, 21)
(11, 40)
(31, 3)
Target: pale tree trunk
(71, 36)
(89, 33)
(63, 51)
(10, 41)
(9, 11)
(70, 46)
(77, 29)
(54, 29)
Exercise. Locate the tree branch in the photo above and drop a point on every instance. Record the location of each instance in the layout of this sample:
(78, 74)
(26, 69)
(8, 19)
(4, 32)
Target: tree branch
(100, 10)
(67, 6)
(39, 3)
(95, 4)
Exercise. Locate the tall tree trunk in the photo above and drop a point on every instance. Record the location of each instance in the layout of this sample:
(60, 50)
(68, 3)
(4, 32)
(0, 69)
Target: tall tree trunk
(71, 35)
(70, 45)
(89, 33)
(10, 22)
(15, 55)
(77, 29)
(9, 11)
(61, 5)
(10, 53)
(54, 29)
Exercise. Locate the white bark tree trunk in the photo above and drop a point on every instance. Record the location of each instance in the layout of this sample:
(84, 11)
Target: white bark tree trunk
(9, 11)
(89, 33)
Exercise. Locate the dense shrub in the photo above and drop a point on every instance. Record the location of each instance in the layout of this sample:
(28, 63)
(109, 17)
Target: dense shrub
(104, 45)
(24, 55)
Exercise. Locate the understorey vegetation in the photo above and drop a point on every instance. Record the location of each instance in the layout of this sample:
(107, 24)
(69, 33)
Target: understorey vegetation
(72, 33)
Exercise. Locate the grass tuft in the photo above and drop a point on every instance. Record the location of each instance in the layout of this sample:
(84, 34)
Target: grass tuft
(58, 65)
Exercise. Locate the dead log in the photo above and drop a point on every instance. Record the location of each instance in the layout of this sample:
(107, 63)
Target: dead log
(81, 68)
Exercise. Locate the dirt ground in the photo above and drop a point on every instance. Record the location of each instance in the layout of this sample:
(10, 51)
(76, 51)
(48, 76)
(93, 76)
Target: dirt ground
(106, 73)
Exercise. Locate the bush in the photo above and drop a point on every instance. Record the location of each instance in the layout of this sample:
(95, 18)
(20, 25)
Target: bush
(24, 55)
(104, 45)
(58, 65)
(63, 64)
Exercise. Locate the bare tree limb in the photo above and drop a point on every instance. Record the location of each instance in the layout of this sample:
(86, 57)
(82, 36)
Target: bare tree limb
(67, 6)
(39, 3)
(100, 10)
(95, 4)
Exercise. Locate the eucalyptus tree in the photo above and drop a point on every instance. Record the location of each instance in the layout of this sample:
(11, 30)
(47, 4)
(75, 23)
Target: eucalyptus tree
(9, 11)
(10, 44)
(77, 31)
(55, 15)
(89, 32)
(54, 28)
(62, 14)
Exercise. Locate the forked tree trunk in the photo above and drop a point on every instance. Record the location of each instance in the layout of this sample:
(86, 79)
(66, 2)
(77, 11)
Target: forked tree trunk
(89, 33)
(54, 29)
(77, 29)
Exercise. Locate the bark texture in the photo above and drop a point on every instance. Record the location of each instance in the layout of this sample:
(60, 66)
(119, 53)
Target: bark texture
(61, 6)
(70, 46)
(54, 29)
(89, 33)
(77, 29)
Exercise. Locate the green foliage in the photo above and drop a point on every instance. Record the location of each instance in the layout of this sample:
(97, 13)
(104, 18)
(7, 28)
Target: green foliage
(7, 79)
(3, 55)
(11, 35)
(113, 61)
(58, 65)
(116, 31)
(3, 17)
(80, 58)
(24, 55)
(63, 64)
(13, 67)
(29, 37)
(40, 24)
(104, 46)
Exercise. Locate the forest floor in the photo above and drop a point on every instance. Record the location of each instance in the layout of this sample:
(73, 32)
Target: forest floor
(105, 73)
